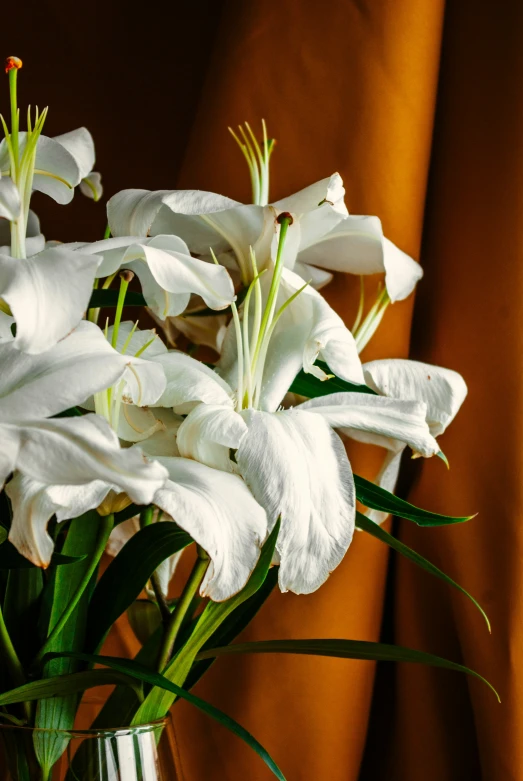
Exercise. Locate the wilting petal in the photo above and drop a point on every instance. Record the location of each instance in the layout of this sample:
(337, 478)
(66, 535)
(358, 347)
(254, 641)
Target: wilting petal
(357, 246)
(34, 504)
(377, 420)
(189, 381)
(442, 390)
(208, 433)
(221, 515)
(91, 186)
(35, 386)
(9, 199)
(47, 294)
(207, 331)
(297, 469)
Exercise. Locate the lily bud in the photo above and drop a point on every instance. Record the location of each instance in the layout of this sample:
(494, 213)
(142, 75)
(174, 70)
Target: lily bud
(113, 503)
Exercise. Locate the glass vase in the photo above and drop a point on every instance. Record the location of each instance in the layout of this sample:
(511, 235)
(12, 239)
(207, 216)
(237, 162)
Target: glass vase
(143, 753)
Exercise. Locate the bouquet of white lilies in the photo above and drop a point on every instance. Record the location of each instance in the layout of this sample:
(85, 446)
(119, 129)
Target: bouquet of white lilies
(115, 439)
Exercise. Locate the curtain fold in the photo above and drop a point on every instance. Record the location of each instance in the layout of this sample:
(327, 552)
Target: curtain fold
(348, 87)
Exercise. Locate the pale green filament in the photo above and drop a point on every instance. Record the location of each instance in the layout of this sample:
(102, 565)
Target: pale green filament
(370, 324)
(361, 305)
(22, 164)
(270, 306)
(258, 158)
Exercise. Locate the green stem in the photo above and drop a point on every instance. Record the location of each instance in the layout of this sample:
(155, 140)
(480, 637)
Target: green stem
(13, 75)
(146, 518)
(13, 664)
(177, 618)
(106, 527)
(285, 220)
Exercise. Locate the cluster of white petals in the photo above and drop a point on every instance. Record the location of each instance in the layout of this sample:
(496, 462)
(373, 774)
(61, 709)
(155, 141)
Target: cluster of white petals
(216, 448)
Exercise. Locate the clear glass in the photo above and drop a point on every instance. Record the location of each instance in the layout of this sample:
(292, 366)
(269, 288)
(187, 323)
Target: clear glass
(143, 753)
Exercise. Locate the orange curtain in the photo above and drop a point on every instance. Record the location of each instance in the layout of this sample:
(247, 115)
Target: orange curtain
(387, 92)
(348, 87)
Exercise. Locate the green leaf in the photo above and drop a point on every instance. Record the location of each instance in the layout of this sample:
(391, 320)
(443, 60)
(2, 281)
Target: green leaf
(362, 522)
(11, 559)
(308, 385)
(345, 649)
(126, 513)
(129, 667)
(145, 618)
(126, 576)
(109, 298)
(233, 625)
(63, 685)
(21, 609)
(3, 534)
(158, 701)
(377, 498)
(59, 713)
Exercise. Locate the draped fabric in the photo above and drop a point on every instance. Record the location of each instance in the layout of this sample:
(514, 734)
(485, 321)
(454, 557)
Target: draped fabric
(419, 108)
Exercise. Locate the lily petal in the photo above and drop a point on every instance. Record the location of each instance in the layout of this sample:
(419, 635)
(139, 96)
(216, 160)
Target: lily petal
(34, 242)
(377, 420)
(35, 503)
(189, 381)
(62, 162)
(76, 451)
(221, 515)
(442, 390)
(9, 199)
(35, 386)
(91, 186)
(319, 208)
(357, 246)
(47, 294)
(208, 433)
(297, 469)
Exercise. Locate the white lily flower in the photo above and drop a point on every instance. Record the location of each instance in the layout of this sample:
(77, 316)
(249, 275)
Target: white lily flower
(330, 240)
(297, 467)
(62, 463)
(441, 390)
(220, 514)
(167, 272)
(54, 456)
(47, 294)
(60, 162)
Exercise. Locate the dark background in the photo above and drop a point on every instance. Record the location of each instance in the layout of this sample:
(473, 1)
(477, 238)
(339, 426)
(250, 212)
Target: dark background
(130, 73)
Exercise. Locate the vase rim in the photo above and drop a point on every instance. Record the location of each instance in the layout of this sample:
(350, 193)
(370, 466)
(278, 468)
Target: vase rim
(102, 732)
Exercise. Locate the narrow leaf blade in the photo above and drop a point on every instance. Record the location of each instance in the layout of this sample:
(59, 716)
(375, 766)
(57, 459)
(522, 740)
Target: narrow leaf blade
(345, 649)
(364, 523)
(129, 667)
(377, 498)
